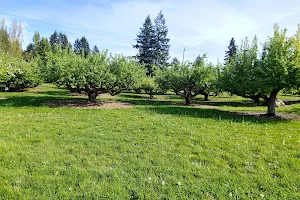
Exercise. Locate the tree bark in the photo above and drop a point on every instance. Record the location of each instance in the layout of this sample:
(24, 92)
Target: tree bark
(187, 99)
(271, 104)
(205, 97)
(78, 89)
(92, 96)
(151, 95)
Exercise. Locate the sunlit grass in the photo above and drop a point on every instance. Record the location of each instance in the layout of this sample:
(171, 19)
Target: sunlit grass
(156, 150)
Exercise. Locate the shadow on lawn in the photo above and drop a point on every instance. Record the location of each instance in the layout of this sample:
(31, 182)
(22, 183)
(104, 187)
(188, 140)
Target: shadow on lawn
(229, 103)
(55, 93)
(165, 102)
(291, 102)
(215, 114)
(30, 101)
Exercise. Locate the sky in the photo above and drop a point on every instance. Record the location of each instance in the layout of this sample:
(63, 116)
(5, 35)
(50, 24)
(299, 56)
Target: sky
(199, 26)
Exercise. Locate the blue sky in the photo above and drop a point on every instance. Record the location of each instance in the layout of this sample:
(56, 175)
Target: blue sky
(200, 26)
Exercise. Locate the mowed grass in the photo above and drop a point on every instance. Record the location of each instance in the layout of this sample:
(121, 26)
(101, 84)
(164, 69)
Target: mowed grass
(156, 150)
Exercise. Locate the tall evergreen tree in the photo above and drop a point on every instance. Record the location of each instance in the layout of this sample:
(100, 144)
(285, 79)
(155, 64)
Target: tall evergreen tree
(145, 45)
(175, 61)
(28, 53)
(231, 52)
(36, 39)
(95, 49)
(43, 47)
(63, 40)
(85, 46)
(77, 47)
(82, 46)
(161, 40)
(54, 39)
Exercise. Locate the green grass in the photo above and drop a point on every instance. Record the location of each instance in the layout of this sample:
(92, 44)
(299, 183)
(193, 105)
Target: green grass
(156, 150)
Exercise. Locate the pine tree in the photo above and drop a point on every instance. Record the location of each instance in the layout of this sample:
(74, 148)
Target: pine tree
(232, 49)
(63, 40)
(28, 53)
(85, 46)
(43, 47)
(36, 38)
(77, 47)
(54, 39)
(82, 46)
(145, 45)
(161, 41)
(175, 61)
(95, 49)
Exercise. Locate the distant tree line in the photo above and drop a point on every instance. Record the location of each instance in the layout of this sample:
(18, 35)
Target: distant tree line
(247, 71)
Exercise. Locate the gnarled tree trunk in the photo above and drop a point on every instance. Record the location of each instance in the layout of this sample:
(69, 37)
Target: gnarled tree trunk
(92, 95)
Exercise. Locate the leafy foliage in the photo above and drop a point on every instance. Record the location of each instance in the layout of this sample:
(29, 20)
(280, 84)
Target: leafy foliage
(11, 39)
(188, 79)
(96, 74)
(263, 77)
(148, 84)
(16, 74)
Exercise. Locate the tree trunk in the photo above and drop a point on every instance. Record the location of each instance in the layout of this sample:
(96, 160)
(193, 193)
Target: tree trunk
(92, 96)
(78, 89)
(205, 97)
(271, 104)
(151, 95)
(187, 99)
(256, 100)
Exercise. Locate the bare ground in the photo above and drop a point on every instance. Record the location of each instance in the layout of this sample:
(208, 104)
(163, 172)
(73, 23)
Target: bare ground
(261, 115)
(85, 104)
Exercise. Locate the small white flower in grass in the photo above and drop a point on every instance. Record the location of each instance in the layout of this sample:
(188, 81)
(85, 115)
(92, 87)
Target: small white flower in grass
(230, 194)
(179, 183)
(70, 189)
(262, 195)
(149, 179)
(163, 183)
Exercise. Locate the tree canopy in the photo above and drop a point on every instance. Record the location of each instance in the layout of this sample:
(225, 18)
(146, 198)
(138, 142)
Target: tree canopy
(96, 74)
(188, 79)
(264, 76)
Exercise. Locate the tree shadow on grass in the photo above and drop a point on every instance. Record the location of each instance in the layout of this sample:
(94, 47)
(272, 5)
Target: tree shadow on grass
(149, 102)
(243, 103)
(165, 102)
(291, 102)
(215, 114)
(28, 101)
(134, 96)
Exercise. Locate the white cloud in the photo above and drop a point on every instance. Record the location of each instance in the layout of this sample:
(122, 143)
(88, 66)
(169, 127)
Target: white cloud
(198, 25)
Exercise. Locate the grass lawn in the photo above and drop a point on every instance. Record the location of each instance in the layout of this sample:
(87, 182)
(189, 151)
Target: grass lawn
(156, 150)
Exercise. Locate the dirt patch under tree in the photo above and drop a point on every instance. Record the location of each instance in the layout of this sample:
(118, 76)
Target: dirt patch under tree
(86, 104)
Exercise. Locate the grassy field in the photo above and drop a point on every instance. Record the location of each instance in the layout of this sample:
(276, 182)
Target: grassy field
(155, 150)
